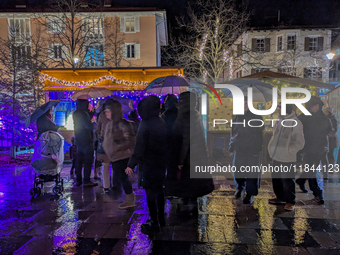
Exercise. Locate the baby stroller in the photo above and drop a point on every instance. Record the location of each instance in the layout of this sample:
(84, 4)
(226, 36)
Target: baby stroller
(47, 161)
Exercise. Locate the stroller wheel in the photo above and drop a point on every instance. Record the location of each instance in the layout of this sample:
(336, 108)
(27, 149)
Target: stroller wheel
(38, 191)
(32, 192)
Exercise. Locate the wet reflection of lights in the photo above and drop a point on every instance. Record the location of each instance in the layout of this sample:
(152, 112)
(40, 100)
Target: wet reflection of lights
(2, 194)
(300, 225)
(266, 220)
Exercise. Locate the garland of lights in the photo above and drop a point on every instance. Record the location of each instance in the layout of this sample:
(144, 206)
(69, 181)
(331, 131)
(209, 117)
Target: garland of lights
(44, 77)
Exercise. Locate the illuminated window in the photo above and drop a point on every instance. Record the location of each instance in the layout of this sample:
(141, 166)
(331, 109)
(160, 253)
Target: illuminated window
(95, 55)
(130, 24)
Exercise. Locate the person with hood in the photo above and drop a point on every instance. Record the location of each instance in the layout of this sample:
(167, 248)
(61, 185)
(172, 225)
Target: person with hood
(150, 154)
(44, 123)
(191, 148)
(118, 144)
(316, 128)
(332, 137)
(101, 155)
(83, 132)
(169, 116)
(133, 116)
(246, 144)
(283, 147)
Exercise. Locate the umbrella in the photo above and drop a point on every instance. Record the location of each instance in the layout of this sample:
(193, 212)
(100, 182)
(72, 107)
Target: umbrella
(168, 85)
(91, 92)
(126, 103)
(41, 111)
(262, 92)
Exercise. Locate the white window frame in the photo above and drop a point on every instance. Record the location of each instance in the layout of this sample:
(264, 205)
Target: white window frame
(24, 30)
(94, 60)
(53, 27)
(134, 24)
(94, 28)
(316, 43)
(289, 69)
(296, 41)
(54, 53)
(277, 43)
(126, 50)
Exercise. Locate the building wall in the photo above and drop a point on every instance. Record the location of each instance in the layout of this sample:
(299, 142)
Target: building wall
(274, 59)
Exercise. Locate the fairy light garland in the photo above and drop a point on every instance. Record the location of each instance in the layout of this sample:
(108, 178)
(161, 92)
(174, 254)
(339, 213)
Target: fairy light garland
(44, 77)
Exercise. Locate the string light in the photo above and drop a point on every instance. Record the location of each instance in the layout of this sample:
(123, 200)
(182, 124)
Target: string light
(44, 77)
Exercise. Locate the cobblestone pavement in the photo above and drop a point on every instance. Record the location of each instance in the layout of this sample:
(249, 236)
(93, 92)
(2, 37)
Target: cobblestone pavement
(88, 221)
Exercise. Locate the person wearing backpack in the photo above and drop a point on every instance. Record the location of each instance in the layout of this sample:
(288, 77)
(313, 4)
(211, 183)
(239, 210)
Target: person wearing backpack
(118, 144)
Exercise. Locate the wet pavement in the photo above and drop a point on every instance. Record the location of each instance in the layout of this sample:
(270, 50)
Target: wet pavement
(88, 221)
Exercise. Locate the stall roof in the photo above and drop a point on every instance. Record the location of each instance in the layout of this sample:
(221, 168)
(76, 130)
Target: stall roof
(128, 78)
(290, 78)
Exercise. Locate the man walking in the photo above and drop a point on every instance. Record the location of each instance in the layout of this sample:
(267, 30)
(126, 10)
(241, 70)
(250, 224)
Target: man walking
(286, 141)
(83, 131)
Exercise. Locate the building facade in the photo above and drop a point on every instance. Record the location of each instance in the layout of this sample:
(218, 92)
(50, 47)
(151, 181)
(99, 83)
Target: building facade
(299, 52)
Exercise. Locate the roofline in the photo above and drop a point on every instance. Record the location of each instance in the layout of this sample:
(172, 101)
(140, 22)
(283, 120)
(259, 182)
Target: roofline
(113, 68)
(293, 27)
(99, 9)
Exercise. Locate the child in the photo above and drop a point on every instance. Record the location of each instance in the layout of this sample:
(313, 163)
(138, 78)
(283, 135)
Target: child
(73, 154)
(150, 154)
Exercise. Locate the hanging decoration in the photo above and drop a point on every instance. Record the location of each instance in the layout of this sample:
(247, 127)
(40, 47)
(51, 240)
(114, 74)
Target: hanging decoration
(44, 77)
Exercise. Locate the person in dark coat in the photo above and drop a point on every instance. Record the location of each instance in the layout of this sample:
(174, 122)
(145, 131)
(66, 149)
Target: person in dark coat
(246, 144)
(150, 154)
(316, 129)
(332, 136)
(73, 154)
(169, 116)
(44, 123)
(191, 150)
(133, 116)
(83, 131)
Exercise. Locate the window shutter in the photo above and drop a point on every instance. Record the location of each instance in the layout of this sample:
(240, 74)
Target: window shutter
(253, 71)
(320, 43)
(64, 52)
(122, 25)
(137, 24)
(253, 44)
(123, 49)
(267, 45)
(50, 51)
(306, 43)
(137, 50)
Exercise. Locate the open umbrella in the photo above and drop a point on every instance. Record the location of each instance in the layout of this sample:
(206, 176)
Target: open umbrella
(168, 85)
(41, 111)
(262, 92)
(91, 92)
(126, 103)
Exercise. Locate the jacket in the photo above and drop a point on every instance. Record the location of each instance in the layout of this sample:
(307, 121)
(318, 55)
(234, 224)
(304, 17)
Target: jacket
(150, 149)
(100, 130)
(332, 136)
(119, 137)
(316, 129)
(83, 127)
(286, 141)
(244, 138)
(45, 124)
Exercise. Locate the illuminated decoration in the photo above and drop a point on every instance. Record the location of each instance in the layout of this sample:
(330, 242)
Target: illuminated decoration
(44, 77)
(69, 123)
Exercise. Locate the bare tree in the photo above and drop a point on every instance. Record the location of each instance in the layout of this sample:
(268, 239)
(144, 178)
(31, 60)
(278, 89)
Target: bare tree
(210, 32)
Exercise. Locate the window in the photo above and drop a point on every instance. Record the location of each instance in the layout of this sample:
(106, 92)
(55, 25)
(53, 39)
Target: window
(57, 51)
(279, 43)
(239, 74)
(21, 52)
(239, 49)
(131, 50)
(313, 72)
(314, 43)
(19, 28)
(94, 28)
(287, 70)
(261, 44)
(95, 55)
(55, 26)
(130, 24)
(291, 42)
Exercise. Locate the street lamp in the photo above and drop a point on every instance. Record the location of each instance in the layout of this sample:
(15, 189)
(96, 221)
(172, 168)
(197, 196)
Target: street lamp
(76, 60)
(330, 56)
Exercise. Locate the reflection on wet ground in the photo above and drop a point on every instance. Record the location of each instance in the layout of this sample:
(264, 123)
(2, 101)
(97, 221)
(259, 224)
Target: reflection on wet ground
(87, 221)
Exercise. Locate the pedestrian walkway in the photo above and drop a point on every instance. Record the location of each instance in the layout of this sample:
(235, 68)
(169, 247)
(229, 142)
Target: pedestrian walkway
(88, 221)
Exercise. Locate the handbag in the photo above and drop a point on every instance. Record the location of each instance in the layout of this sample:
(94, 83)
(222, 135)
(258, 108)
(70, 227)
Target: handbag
(100, 148)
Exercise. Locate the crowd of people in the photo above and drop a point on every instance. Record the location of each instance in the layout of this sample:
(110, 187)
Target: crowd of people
(163, 143)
